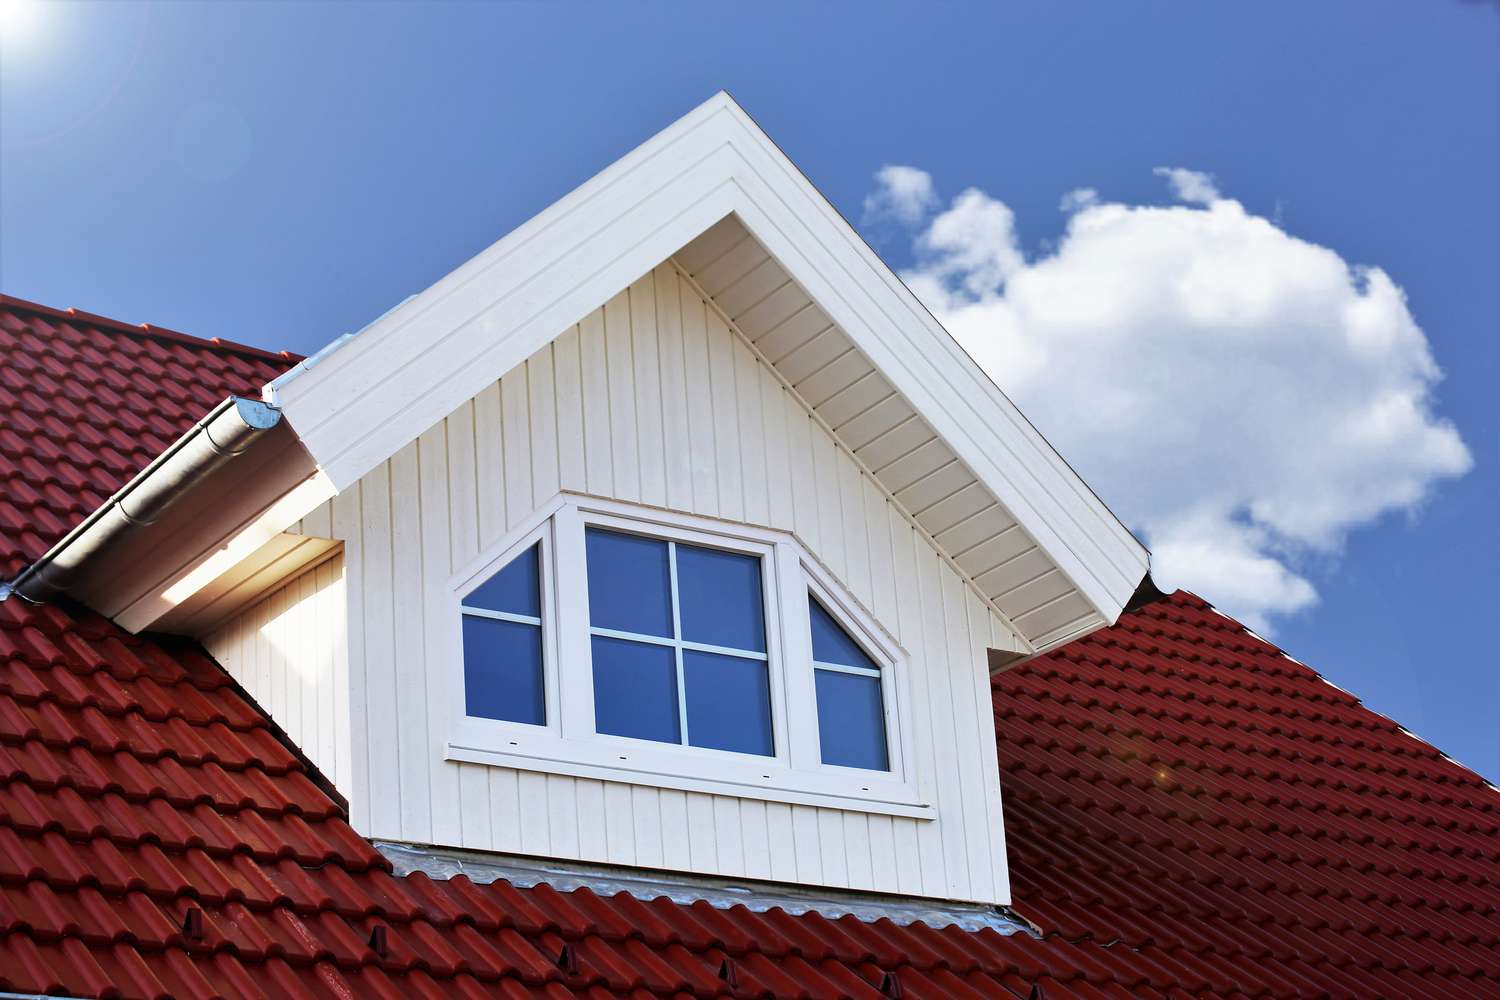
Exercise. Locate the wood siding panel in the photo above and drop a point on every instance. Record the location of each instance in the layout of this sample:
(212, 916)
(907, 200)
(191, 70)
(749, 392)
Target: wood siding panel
(288, 651)
(652, 397)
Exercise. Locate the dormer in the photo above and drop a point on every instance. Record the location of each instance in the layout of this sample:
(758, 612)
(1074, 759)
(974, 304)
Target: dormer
(669, 533)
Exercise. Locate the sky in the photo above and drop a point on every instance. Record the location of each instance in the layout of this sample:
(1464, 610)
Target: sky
(1237, 262)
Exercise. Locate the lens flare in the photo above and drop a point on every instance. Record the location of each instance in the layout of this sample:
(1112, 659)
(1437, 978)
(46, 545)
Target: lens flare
(18, 19)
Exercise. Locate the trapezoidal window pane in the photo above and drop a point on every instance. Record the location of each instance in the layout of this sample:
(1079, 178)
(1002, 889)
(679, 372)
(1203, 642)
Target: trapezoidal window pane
(851, 720)
(503, 670)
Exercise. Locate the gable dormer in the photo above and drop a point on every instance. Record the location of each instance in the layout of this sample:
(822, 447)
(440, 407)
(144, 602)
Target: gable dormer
(670, 532)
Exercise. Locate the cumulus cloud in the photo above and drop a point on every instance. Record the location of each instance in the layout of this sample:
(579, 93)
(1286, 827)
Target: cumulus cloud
(1078, 198)
(904, 194)
(1191, 186)
(1242, 398)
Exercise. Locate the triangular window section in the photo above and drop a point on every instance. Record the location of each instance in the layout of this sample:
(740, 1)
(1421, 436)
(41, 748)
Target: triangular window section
(502, 628)
(851, 706)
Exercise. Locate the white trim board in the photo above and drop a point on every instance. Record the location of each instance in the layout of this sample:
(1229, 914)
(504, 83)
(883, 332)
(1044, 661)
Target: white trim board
(372, 393)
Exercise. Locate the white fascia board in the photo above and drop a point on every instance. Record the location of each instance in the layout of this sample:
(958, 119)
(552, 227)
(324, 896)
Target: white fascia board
(944, 384)
(412, 367)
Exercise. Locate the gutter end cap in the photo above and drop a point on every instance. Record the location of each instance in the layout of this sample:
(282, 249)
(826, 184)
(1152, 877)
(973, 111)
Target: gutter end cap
(257, 415)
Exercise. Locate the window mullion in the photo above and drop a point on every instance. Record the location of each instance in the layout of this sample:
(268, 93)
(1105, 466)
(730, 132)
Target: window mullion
(614, 633)
(682, 720)
(703, 647)
(500, 616)
(800, 701)
(844, 668)
(575, 686)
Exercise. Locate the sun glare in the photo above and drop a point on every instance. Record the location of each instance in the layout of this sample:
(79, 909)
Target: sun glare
(18, 19)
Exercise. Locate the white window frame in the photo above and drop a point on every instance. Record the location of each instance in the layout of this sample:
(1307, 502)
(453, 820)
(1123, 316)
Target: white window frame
(866, 634)
(568, 743)
(520, 737)
(775, 671)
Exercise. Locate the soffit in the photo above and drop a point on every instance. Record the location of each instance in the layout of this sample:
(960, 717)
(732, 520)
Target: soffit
(894, 442)
(945, 440)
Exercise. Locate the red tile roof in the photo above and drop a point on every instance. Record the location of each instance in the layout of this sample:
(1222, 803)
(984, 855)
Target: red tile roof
(1188, 812)
(86, 402)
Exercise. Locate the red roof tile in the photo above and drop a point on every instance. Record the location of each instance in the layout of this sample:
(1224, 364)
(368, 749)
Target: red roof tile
(1188, 812)
(86, 402)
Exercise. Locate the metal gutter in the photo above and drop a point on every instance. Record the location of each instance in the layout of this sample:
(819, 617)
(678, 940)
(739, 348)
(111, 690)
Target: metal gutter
(223, 434)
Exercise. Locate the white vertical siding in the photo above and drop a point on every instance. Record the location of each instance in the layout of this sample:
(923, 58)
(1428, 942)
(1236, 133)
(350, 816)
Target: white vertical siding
(653, 397)
(288, 651)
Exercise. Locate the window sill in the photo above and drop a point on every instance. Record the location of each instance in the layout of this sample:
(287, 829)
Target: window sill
(830, 791)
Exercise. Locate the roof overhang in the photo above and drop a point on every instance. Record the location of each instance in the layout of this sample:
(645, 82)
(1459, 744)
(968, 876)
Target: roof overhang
(198, 533)
(713, 193)
(354, 406)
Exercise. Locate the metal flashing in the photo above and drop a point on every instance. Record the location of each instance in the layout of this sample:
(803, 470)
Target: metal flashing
(268, 393)
(645, 884)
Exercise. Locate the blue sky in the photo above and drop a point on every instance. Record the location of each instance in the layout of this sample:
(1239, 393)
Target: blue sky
(281, 174)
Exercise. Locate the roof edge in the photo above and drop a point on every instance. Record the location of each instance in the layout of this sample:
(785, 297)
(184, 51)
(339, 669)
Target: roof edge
(72, 315)
(222, 435)
(407, 369)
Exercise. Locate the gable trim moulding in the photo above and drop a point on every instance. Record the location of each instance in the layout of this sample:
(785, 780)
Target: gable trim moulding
(368, 395)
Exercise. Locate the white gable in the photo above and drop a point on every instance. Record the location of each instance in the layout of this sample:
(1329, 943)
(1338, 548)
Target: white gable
(693, 349)
(653, 407)
(1040, 543)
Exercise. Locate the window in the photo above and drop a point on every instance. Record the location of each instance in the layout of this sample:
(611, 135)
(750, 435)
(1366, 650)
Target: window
(678, 641)
(610, 641)
(851, 710)
(502, 641)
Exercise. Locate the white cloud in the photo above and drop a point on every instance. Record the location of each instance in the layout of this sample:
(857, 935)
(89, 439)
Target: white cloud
(1076, 199)
(904, 194)
(1191, 186)
(1242, 398)
(971, 247)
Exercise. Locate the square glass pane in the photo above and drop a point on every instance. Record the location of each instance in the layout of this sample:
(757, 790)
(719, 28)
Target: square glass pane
(720, 598)
(851, 720)
(630, 585)
(635, 690)
(516, 588)
(503, 671)
(728, 702)
(831, 644)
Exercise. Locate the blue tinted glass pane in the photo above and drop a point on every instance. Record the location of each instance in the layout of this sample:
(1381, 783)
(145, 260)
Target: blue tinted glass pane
(503, 670)
(851, 720)
(635, 690)
(831, 644)
(728, 702)
(719, 596)
(630, 588)
(516, 588)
